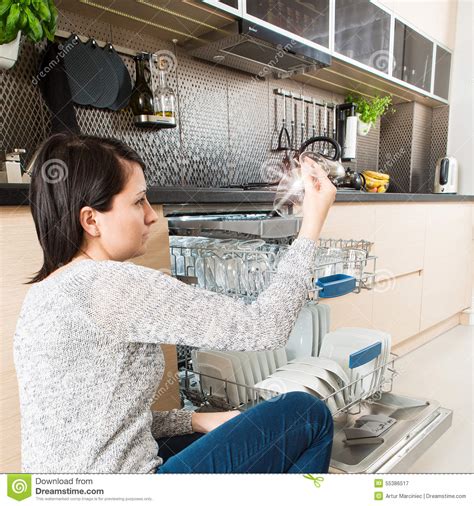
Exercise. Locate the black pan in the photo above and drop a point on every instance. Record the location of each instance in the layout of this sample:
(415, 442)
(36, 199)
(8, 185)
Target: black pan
(123, 76)
(83, 74)
(107, 76)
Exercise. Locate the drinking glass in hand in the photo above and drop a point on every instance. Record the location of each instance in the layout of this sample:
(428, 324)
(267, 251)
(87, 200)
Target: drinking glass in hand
(290, 192)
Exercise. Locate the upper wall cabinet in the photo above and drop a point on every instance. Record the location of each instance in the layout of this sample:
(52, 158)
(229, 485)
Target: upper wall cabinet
(442, 72)
(412, 57)
(232, 6)
(230, 3)
(306, 18)
(362, 33)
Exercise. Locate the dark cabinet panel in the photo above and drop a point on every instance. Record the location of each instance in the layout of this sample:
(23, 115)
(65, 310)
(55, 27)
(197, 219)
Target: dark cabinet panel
(442, 72)
(230, 3)
(412, 57)
(306, 18)
(362, 32)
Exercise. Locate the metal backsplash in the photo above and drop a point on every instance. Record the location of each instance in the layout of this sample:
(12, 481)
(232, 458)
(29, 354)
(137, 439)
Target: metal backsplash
(226, 117)
(411, 140)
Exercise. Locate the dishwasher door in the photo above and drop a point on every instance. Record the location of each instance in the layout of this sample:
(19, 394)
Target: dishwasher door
(419, 423)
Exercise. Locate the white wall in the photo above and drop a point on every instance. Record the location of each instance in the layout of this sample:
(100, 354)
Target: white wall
(437, 18)
(461, 111)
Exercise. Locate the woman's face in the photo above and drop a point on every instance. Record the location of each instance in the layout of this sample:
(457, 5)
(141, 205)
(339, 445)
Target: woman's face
(124, 230)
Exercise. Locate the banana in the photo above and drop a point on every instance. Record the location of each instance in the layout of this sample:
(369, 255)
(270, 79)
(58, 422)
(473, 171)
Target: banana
(376, 175)
(374, 183)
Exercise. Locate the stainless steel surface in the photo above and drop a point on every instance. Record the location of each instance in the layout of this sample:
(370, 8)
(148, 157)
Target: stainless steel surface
(257, 224)
(419, 442)
(256, 50)
(416, 419)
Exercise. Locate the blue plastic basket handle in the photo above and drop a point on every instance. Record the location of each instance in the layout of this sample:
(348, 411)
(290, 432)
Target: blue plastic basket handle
(365, 355)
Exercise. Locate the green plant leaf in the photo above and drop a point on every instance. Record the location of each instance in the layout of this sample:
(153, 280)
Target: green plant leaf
(53, 11)
(12, 19)
(41, 9)
(35, 30)
(23, 21)
(370, 110)
(47, 32)
(5, 6)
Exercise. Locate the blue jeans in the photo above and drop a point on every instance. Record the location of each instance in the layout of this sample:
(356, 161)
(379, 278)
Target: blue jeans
(291, 433)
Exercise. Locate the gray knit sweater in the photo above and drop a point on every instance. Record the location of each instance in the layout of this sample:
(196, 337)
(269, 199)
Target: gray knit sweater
(88, 359)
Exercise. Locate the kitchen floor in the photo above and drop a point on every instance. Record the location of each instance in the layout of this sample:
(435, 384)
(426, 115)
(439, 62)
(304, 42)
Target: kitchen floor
(443, 370)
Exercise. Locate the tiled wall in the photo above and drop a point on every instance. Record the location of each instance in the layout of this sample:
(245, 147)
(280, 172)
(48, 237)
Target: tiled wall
(411, 141)
(226, 118)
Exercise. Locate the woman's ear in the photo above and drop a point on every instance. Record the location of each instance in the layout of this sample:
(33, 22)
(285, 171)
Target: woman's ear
(87, 217)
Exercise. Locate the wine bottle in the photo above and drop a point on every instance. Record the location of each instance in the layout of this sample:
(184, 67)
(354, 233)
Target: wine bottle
(141, 100)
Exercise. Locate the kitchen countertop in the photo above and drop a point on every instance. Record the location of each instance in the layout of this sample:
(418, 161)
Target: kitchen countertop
(17, 195)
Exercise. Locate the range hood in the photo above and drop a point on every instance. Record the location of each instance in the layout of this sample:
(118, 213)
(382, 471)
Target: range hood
(257, 50)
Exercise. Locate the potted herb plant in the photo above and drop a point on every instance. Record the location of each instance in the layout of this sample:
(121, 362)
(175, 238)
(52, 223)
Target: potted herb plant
(36, 19)
(369, 110)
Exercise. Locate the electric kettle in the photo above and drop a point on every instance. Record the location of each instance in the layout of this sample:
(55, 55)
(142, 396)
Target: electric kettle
(446, 175)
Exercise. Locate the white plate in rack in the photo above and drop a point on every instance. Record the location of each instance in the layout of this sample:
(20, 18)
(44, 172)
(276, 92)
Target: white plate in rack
(300, 341)
(331, 366)
(279, 385)
(317, 387)
(220, 367)
(322, 374)
(255, 365)
(238, 372)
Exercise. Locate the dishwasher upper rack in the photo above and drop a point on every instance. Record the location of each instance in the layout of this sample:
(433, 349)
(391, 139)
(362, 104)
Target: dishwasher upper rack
(243, 269)
(352, 402)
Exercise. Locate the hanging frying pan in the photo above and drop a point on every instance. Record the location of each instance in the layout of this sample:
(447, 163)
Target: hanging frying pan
(83, 74)
(109, 83)
(123, 76)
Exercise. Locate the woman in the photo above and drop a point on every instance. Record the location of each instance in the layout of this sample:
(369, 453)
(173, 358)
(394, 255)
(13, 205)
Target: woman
(87, 344)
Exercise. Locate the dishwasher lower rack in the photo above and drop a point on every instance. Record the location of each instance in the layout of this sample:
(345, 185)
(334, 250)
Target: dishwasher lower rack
(245, 268)
(202, 388)
(418, 422)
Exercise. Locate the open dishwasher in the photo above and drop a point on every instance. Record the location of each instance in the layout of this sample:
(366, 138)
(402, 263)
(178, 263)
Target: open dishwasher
(236, 253)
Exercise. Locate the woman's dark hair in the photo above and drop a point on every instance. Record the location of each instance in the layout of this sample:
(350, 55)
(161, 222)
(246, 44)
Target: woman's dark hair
(69, 172)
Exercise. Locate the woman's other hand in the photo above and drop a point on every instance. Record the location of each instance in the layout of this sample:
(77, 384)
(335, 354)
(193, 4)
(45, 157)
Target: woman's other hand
(205, 422)
(319, 195)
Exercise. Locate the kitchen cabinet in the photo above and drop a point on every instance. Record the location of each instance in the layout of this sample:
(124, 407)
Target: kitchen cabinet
(362, 33)
(424, 264)
(412, 57)
(396, 306)
(306, 18)
(399, 238)
(447, 277)
(442, 72)
(232, 6)
(353, 310)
